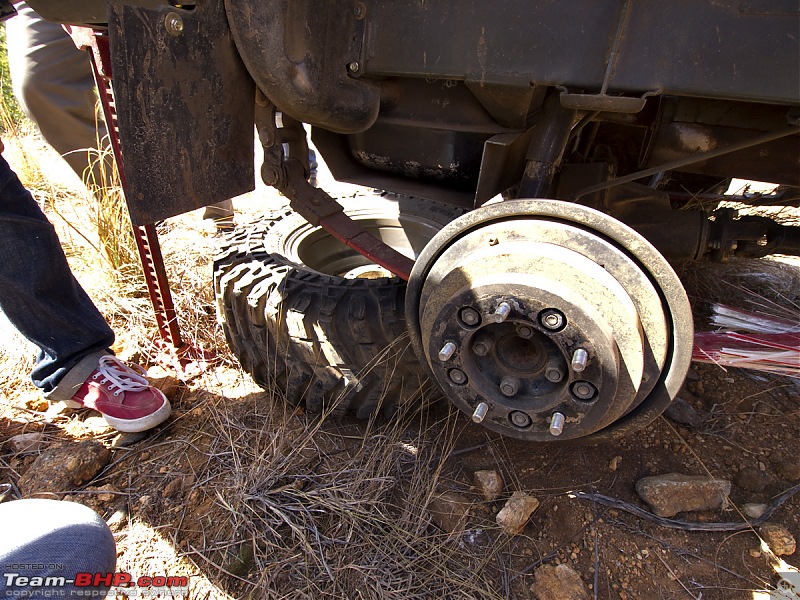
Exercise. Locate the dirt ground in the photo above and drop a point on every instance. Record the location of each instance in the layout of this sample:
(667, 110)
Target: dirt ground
(254, 499)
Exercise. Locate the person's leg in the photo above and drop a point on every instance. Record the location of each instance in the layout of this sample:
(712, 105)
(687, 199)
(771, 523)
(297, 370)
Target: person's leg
(53, 82)
(38, 293)
(51, 539)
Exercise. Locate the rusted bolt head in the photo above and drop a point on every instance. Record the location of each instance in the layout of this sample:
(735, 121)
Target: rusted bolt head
(520, 419)
(173, 24)
(554, 375)
(583, 390)
(469, 316)
(509, 386)
(552, 319)
(457, 376)
(359, 10)
(524, 331)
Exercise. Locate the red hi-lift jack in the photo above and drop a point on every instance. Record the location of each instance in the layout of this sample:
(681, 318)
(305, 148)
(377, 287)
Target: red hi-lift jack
(187, 360)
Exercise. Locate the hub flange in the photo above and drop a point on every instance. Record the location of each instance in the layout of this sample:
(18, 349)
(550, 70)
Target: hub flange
(549, 311)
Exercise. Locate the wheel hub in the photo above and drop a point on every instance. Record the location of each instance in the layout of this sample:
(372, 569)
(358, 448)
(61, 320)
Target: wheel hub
(542, 327)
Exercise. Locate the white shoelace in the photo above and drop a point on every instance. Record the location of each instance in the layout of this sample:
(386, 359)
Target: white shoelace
(127, 378)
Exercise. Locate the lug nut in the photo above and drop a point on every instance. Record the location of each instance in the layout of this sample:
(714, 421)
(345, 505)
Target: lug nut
(554, 375)
(525, 331)
(447, 351)
(470, 316)
(552, 319)
(509, 386)
(579, 360)
(556, 424)
(502, 312)
(457, 376)
(520, 419)
(480, 412)
(583, 390)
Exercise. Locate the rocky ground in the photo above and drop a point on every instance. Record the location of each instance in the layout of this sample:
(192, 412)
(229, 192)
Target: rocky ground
(251, 498)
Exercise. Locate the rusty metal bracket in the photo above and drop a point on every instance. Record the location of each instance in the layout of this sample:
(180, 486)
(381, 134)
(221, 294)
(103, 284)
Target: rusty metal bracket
(187, 360)
(288, 172)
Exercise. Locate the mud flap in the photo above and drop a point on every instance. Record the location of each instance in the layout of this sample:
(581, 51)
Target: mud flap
(185, 104)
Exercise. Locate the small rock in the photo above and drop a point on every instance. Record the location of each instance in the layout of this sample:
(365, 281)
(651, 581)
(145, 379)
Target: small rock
(516, 512)
(27, 442)
(173, 488)
(681, 411)
(754, 510)
(63, 468)
(673, 493)
(778, 538)
(752, 479)
(118, 520)
(449, 511)
(123, 440)
(558, 582)
(164, 381)
(614, 463)
(37, 402)
(106, 493)
(490, 483)
(692, 375)
(789, 471)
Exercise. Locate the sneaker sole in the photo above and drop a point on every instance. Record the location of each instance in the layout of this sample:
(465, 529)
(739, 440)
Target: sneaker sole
(133, 425)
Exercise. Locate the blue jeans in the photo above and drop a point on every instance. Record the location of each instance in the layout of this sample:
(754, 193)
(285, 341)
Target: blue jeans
(51, 540)
(42, 299)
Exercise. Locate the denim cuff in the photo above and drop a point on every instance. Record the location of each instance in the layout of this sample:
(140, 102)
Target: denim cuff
(75, 377)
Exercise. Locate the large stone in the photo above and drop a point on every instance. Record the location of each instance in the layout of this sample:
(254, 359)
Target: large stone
(449, 511)
(490, 483)
(516, 512)
(778, 538)
(673, 493)
(64, 468)
(752, 479)
(558, 582)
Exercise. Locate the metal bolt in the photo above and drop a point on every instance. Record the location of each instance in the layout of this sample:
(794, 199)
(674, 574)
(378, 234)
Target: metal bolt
(470, 316)
(359, 10)
(501, 312)
(481, 347)
(583, 390)
(173, 23)
(552, 319)
(457, 376)
(554, 375)
(447, 351)
(556, 424)
(353, 67)
(509, 386)
(579, 360)
(524, 331)
(480, 412)
(520, 419)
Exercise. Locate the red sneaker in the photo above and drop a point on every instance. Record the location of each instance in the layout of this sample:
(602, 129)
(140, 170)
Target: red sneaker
(123, 396)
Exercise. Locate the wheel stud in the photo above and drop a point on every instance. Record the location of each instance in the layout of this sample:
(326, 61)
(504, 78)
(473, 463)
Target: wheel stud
(583, 390)
(457, 376)
(447, 351)
(470, 316)
(502, 312)
(480, 412)
(552, 319)
(556, 424)
(520, 419)
(509, 386)
(554, 375)
(579, 360)
(525, 331)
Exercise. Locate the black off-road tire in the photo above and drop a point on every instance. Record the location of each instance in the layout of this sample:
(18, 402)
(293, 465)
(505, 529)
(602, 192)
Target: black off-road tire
(317, 337)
